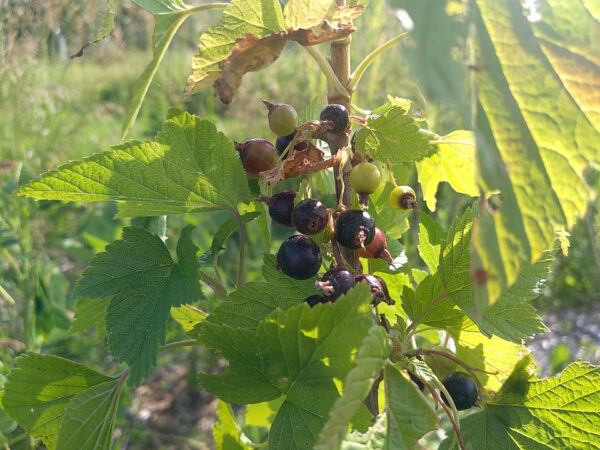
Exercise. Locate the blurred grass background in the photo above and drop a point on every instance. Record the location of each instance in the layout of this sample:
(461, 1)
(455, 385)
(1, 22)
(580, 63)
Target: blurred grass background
(54, 109)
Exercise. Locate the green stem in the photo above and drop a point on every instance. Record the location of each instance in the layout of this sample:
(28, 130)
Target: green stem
(411, 328)
(451, 412)
(6, 295)
(240, 275)
(334, 86)
(186, 343)
(215, 284)
(365, 63)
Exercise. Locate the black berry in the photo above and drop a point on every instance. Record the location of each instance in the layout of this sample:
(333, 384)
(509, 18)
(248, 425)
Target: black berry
(310, 216)
(378, 288)
(416, 380)
(339, 115)
(299, 257)
(335, 282)
(282, 142)
(462, 389)
(354, 229)
(257, 155)
(281, 206)
(315, 300)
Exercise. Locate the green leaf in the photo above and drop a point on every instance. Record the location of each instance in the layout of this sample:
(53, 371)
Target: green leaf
(224, 232)
(254, 301)
(40, 389)
(263, 414)
(188, 316)
(169, 15)
(105, 30)
(395, 222)
(392, 136)
(89, 419)
(409, 414)
(430, 239)
(374, 439)
(257, 17)
(554, 413)
(90, 312)
(370, 359)
(534, 134)
(144, 282)
(188, 168)
(225, 432)
(296, 353)
(454, 162)
(307, 13)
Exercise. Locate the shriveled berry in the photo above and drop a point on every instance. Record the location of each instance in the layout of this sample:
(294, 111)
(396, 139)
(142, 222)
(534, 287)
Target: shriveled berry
(283, 118)
(315, 300)
(403, 198)
(335, 282)
(354, 229)
(365, 178)
(310, 216)
(377, 248)
(257, 155)
(339, 115)
(282, 142)
(461, 388)
(299, 257)
(281, 206)
(378, 288)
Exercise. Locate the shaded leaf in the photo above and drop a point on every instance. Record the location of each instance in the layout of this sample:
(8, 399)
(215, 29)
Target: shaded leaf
(90, 312)
(225, 432)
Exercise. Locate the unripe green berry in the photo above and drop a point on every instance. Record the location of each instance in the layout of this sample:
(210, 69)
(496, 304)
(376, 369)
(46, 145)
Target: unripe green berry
(283, 118)
(365, 178)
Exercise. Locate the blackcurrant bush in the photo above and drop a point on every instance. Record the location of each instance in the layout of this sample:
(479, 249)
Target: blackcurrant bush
(461, 388)
(338, 115)
(354, 229)
(283, 118)
(416, 380)
(257, 155)
(377, 248)
(365, 178)
(281, 206)
(299, 257)
(315, 300)
(378, 288)
(335, 282)
(282, 142)
(403, 198)
(310, 216)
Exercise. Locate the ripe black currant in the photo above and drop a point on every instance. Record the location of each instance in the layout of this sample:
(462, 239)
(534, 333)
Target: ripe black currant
(281, 206)
(335, 282)
(310, 216)
(462, 389)
(416, 380)
(299, 257)
(378, 288)
(282, 142)
(354, 229)
(377, 248)
(283, 118)
(339, 115)
(315, 300)
(257, 155)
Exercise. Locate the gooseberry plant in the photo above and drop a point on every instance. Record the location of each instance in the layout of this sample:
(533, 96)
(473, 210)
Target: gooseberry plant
(342, 344)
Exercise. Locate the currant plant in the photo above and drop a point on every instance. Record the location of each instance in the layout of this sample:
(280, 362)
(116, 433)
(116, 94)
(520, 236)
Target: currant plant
(342, 344)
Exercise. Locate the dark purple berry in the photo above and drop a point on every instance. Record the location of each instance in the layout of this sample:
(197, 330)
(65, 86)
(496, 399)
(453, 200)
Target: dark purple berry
(315, 300)
(354, 229)
(281, 206)
(339, 115)
(257, 155)
(462, 389)
(335, 282)
(310, 216)
(378, 288)
(299, 257)
(416, 380)
(282, 142)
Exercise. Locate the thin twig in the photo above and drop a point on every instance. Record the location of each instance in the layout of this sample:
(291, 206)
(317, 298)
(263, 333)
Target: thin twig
(240, 275)
(186, 343)
(449, 413)
(335, 87)
(429, 307)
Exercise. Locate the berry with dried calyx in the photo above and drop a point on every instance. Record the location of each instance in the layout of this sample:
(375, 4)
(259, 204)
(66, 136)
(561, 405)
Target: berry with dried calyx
(283, 118)
(280, 206)
(299, 257)
(257, 155)
(338, 115)
(282, 143)
(377, 248)
(462, 389)
(354, 229)
(335, 282)
(310, 216)
(403, 198)
(315, 300)
(378, 288)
